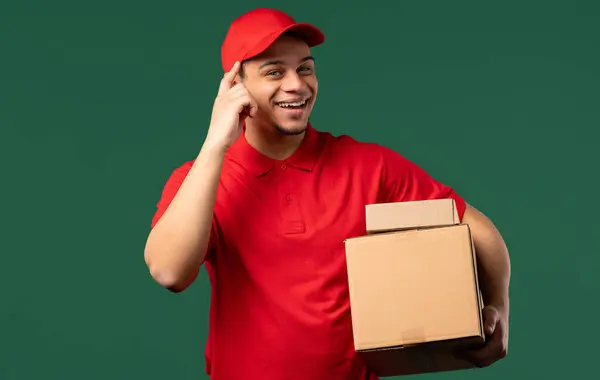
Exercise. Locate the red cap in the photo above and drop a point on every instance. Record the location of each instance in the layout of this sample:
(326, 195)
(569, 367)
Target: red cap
(253, 32)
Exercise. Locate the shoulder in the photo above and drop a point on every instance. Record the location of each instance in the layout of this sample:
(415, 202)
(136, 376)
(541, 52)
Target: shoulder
(178, 173)
(170, 189)
(176, 178)
(349, 147)
(183, 169)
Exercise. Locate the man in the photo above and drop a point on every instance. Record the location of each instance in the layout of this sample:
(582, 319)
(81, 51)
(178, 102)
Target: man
(266, 206)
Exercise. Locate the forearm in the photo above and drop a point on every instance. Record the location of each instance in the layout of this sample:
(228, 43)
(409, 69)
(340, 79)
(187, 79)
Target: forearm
(492, 258)
(177, 245)
(494, 269)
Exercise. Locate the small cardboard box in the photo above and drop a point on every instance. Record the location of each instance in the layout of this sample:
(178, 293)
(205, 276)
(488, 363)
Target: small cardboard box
(414, 293)
(383, 217)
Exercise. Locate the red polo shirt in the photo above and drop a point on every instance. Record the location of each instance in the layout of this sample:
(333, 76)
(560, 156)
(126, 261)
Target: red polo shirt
(280, 305)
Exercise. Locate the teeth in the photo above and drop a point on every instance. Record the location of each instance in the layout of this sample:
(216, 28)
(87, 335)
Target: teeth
(295, 104)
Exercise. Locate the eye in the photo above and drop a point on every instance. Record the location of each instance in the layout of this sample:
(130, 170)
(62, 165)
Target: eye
(305, 70)
(274, 73)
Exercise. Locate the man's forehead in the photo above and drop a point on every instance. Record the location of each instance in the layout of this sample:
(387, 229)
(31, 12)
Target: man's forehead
(286, 48)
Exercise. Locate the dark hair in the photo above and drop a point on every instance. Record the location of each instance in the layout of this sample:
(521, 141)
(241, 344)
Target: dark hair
(292, 33)
(241, 72)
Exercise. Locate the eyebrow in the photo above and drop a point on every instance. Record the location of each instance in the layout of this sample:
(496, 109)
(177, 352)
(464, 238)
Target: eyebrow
(279, 62)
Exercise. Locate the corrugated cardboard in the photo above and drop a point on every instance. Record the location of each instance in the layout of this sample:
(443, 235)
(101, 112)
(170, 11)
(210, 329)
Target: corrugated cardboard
(414, 295)
(382, 217)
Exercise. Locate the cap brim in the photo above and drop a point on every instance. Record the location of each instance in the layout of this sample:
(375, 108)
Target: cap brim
(309, 33)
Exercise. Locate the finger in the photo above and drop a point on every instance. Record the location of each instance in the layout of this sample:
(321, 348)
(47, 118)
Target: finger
(250, 105)
(237, 90)
(253, 111)
(486, 360)
(488, 354)
(231, 74)
(227, 81)
(240, 94)
(490, 320)
(249, 111)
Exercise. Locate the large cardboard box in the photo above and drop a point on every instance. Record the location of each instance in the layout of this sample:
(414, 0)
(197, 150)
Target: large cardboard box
(414, 293)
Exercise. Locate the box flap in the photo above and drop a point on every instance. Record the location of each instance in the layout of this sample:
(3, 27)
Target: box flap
(382, 217)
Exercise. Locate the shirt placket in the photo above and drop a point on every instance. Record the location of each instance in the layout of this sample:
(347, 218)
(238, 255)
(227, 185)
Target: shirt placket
(293, 222)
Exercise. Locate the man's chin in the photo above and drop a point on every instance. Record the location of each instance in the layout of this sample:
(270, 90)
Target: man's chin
(291, 130)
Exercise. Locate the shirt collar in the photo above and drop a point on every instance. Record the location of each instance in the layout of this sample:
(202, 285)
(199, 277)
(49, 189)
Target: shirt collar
(304, 158)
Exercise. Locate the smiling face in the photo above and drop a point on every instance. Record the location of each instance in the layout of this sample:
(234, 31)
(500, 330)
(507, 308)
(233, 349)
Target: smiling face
(282, 81)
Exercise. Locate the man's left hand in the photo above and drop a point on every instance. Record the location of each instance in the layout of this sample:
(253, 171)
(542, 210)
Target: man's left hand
(495, 326)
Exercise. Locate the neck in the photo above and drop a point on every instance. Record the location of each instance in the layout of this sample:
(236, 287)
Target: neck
(270, 142)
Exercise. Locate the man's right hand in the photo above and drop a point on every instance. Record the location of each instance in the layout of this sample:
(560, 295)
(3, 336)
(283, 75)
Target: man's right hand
(232, 106)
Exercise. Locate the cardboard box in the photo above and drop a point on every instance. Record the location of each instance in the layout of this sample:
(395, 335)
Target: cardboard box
(400, 216)
(414, 293)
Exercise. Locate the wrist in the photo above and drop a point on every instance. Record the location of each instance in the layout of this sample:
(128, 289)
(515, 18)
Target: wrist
(213, 148)
(502, 304)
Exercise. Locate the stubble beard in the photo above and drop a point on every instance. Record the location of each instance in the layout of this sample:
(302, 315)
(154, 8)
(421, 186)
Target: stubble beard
(287, 132)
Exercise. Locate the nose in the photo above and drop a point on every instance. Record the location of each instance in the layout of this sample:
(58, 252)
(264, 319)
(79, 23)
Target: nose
(292, 82)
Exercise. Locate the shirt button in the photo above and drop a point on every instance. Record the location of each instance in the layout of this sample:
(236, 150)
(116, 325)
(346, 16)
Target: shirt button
(283, 166)
(289, 197)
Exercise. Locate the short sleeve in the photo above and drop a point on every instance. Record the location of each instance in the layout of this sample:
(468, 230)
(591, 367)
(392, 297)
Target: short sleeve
(403, 180)
(169, 191)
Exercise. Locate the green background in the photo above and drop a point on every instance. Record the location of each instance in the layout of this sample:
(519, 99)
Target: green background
(100, 101)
